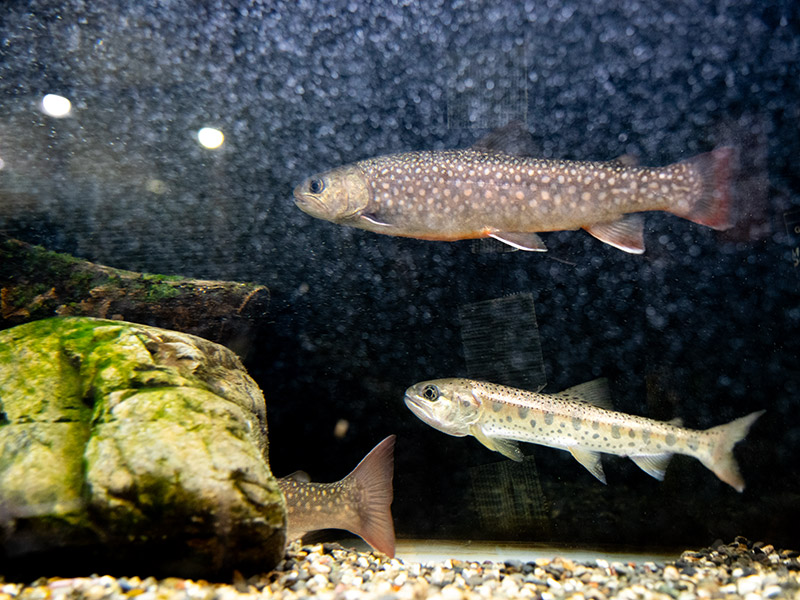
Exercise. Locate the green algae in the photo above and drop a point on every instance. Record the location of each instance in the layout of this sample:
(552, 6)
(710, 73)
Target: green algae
(118, 435)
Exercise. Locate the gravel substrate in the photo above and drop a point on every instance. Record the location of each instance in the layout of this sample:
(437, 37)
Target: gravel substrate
(328, 571)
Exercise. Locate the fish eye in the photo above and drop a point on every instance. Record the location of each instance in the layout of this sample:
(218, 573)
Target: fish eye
(315, 186)
(430, 393)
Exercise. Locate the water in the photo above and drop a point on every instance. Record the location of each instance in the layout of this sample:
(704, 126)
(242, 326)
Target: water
(703, 326)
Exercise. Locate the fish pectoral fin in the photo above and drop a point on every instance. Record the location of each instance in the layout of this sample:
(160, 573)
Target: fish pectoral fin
(593, 392)
(654, 465)
(626, 234)
(521, 241)
(374, 220)
(590, 460)
(506, 447)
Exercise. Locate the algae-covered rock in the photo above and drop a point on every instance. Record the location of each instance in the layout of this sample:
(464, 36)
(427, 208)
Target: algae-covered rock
(139, 448)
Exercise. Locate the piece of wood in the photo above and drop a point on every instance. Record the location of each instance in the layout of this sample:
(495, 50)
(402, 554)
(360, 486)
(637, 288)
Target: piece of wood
(36, 283)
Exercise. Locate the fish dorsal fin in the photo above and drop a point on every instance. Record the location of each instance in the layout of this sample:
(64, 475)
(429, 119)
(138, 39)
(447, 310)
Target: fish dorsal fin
(677, 422)
(625, 160)
(653, 464)
(508, 448)
(626, 234)
(590, 460)
(593, 392)
(521, 241)
(513, 138)
(299, 477)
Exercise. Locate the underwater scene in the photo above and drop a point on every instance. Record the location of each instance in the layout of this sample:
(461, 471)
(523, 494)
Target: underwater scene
(397, 299)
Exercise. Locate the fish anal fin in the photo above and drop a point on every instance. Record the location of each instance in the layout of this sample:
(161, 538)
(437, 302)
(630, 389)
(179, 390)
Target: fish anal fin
(593, 392)
(512, 138)
(373, 478)
(521, 241)
(626, 234)
(506, 447)
(590, 460)
(654, 465)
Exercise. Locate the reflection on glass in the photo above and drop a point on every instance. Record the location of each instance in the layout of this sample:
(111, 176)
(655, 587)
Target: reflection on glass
(56, 106)
(210, 138)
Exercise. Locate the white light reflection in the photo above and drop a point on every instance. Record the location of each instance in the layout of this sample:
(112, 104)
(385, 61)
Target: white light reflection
(210, 138)
(56, 106)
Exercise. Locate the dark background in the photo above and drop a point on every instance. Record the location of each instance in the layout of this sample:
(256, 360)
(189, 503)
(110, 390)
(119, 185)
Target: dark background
(702, 326)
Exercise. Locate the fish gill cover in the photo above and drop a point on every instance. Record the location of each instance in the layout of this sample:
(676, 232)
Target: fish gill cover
(702, 326)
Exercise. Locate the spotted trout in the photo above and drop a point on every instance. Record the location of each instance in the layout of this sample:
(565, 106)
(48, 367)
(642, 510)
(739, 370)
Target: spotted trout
(578, 420)
(359, 503)
(488, 191)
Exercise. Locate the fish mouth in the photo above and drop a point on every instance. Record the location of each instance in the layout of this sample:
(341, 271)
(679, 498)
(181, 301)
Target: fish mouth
(309, 204)
(416, 407)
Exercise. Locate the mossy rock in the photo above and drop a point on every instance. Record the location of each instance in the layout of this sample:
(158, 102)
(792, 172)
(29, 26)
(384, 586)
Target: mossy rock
(130, 448)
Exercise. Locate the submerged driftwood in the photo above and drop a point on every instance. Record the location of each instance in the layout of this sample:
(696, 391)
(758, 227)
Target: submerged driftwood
(36, 283)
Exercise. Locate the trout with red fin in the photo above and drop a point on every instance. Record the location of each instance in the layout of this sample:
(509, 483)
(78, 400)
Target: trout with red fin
(360, 503)
(578, 420)
(495, 190)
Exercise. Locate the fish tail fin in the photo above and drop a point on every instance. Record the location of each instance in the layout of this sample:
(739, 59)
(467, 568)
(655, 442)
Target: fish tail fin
(721, 460)
(372, 479)
(712, 206)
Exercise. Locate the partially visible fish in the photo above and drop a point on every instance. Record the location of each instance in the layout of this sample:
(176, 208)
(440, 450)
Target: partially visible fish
(578, 420)
(487, 191)
(359, 503)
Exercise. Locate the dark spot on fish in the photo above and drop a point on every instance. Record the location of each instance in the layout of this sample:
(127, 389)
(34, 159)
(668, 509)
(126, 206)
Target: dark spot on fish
(595, 436)
(508, 418)
(615, 432)
(632, 433)
(497, 406)
(595, 425)
(548, 418)
(522, 411)
(670, 439)
(533, 423)
(576, 423)
(693, 444)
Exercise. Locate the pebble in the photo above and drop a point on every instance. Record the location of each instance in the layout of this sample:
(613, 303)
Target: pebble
(740, 569)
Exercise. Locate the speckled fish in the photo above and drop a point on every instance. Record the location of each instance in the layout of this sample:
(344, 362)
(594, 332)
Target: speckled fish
(578, 420)
(359, 503)
(488, 191)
